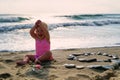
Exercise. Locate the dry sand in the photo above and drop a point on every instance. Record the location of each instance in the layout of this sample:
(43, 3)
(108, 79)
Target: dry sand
(55, 70)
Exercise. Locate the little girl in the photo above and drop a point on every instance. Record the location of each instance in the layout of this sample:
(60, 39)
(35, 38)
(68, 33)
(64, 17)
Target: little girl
(42, 38)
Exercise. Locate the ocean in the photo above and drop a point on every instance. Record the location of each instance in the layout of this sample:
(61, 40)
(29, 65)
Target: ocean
(66, 31)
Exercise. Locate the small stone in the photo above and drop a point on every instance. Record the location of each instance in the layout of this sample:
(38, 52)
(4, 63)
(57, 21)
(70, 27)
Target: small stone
(105, 54)
(77, 54)
(71, 57)
(69, 65)
(109, 55)
(116, 61)
(115, 57)
(92, 53)
(94, 66)
(108, 60)
(91, 60)
(82, 59)
(107, 67)
(87, 60)
(80, 67)
(87, 54)
(75, 58)
(99, 60)
(99, 53)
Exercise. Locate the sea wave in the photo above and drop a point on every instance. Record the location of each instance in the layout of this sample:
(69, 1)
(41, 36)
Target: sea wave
(12, 19)
(56, 25)
(92, 16)
(86, 23)
(14, 27)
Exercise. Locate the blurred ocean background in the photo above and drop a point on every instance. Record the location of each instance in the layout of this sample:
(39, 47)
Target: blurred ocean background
(66, 31)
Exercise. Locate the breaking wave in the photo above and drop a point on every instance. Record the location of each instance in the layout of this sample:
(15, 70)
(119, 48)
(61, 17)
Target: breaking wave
(53, 26)
(92, 16)
(86, 23)
(15, 27)
(12, 19)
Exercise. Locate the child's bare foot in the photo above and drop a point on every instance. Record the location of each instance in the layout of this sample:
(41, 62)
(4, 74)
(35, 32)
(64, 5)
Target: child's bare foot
(51, 58)
(21, 63)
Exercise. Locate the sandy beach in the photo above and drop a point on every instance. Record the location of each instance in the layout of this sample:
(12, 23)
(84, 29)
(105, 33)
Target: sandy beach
(55, 70)
(83, 35)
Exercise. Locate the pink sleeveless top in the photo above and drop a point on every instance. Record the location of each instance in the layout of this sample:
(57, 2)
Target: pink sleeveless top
(42, 46)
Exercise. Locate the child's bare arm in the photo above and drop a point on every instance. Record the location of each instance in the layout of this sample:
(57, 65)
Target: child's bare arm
(32, 32)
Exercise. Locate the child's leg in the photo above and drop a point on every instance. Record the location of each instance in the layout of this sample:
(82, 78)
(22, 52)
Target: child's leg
(46, 56)
(29, 58)
(26, 60)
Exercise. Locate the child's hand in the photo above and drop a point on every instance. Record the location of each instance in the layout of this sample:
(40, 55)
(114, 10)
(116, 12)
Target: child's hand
(37, 61)
(38, 23)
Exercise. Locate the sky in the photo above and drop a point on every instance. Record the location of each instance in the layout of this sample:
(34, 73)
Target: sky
(59, 6)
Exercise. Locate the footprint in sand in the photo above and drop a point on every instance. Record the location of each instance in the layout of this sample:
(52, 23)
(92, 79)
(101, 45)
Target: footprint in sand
(52, 77)
(5, 75)
(79, 77)
(72, 78)
(9, 61)
(83, 77)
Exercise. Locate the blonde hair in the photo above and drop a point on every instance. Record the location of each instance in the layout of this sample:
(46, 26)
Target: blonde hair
(45, 31)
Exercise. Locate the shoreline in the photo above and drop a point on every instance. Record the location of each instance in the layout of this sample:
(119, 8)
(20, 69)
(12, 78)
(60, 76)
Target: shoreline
(5, 51)
(55, 70)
